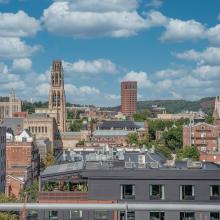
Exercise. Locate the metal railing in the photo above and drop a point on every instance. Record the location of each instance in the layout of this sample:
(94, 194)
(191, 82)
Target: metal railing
(114, 206)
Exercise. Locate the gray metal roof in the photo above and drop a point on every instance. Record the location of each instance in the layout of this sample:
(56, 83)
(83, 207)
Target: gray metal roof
(13, 123)
(111, 133)
(130, 125)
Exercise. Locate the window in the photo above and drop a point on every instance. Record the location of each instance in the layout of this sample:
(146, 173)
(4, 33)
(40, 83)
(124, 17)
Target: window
(214, 192)
(187, 216)
(214, 216)
(130, 215)
(24, 139)
(76, 214)
(53, 214)
(187, 192)
(127, 191)
(101, 215)
(157, 216)
(157, 192)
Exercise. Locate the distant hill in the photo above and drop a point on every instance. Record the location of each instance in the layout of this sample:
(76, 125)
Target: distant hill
(175, 106)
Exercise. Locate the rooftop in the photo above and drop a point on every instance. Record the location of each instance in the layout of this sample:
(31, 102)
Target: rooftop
(106, 161)
(130, 125)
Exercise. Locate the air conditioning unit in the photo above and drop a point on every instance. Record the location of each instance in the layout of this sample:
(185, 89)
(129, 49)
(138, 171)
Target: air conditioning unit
(170, 163)
(128, 164)
(154, 165)
(194, 164)
(141, 165)
(141, 159)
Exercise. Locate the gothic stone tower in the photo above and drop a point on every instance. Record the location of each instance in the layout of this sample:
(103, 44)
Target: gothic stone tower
(216, 112)
(57, 98)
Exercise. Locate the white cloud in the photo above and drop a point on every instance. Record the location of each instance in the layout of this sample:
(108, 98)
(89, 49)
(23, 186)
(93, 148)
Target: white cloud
(213, 34)
(102, 6)
(9, 81)
(43, 89)
(113, 97)
(207, 72)
(12, 47)
(18, 25)
(170, 73)
(140, 77)
(155, 3)
(155, 18)
(210, 55)
(179, 30)
(110, 21)
(22, 65)
(93, 67)
(87, 90)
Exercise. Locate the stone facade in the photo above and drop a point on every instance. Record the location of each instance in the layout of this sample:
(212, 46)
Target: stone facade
(216, 112)
(42, 126)
(57, 98)
(9, 105)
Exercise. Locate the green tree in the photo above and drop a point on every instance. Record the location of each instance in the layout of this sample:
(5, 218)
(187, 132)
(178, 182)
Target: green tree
(31, 192)
(190, 152)
(165, 151)
(209, 118)
(132, 138)
(141, 116)
(7, 215)
(76, 126)
(173, 137)
(48, 160)
(81, 142)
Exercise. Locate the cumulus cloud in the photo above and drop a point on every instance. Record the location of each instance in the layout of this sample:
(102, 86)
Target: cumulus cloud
(155, 3)
(170, 73)
(179, 30)
(207, 72)
(12, 47)
(22, 65)
(102, 6)
(140, 77)
(82, 19)
(18, 25)
(87, 68)
(113, 97)
(210, 55)
(9, 81)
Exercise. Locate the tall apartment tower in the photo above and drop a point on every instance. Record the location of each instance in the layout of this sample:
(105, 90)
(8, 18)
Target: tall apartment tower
(128, 97)
(216, 112)
(57, 98)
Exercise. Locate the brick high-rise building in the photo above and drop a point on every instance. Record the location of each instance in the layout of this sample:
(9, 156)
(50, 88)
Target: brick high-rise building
(128, 97)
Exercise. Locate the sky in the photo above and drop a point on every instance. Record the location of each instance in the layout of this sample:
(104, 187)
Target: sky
(170, 47)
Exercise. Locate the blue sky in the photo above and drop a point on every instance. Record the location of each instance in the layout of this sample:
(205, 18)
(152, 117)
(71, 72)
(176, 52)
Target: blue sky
(172, 48)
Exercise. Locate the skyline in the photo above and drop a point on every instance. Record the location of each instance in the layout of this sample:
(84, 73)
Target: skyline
(171, 50)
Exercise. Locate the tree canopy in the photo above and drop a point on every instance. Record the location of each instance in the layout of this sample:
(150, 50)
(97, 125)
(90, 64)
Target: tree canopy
(190, 152)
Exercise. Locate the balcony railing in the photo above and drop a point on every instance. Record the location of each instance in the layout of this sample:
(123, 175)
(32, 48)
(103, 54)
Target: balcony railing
(56, 196)
(216, 197)
(188, 198)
